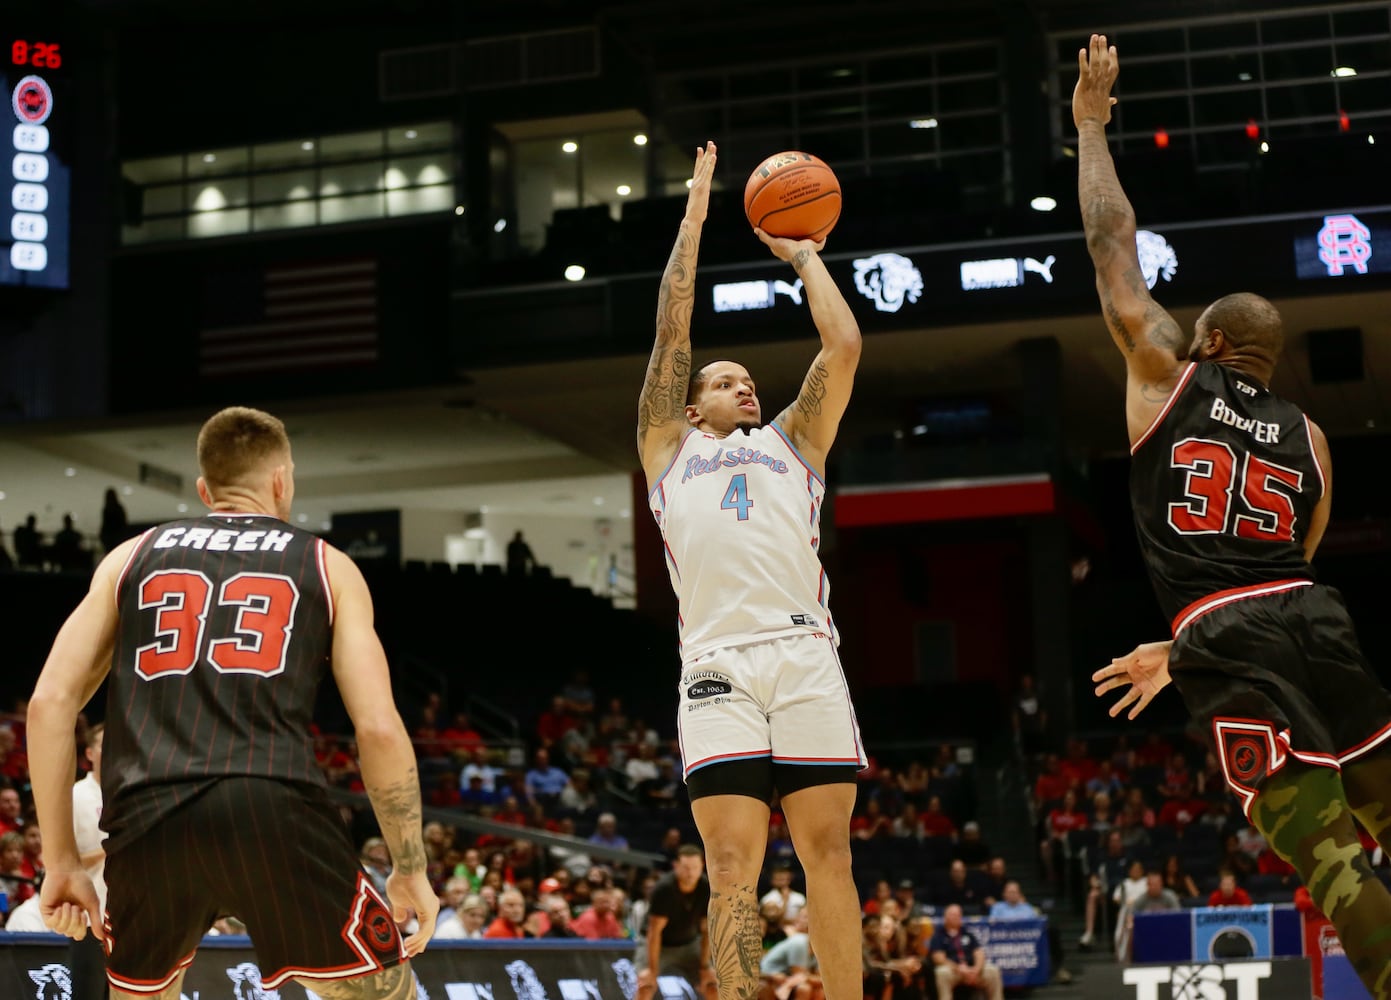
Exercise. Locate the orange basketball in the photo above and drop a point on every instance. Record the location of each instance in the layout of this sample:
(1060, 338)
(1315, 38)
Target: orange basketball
(794, 195)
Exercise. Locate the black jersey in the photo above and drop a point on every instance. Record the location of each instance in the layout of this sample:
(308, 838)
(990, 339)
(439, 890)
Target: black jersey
(224, 632)
(1223, 485)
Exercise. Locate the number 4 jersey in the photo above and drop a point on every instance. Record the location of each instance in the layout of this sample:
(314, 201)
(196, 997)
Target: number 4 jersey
(740, 519)
(1224, 484)
(225, 625)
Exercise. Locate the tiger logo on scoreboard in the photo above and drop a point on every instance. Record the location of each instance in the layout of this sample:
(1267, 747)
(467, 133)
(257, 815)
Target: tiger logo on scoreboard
(32, 100)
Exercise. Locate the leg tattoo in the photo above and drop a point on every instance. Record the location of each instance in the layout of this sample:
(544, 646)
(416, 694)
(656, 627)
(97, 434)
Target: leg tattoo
(736, 942)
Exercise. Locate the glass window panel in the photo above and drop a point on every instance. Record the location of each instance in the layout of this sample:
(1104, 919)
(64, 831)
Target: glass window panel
(894, 69)
(216, 162)
(283, 154)
(1147, 77)
(899, 140)
(836, 146)
(1354, 23)
(439, 198)
(609, 160)
(775, 113)
(905, 103)
(760, 83)
(350, 178)
(293, 215)
(1148, 114)
(692, 126)
(1307, 28)
(1365, 57)
(409, 138)
(968, 95)
(290, 185)
(154, 231)
(1226, 70)
(215, 194)
(206, 224)
(829, 109)
(692, 89)
(1293, 64)
(832, 76)
(747, 150)
(1166, 42)
(546, 179)
(1231, 108)
(972, 59)
(1224, 37)
(1301, 101)
(970, 132)
(159, 168)
(429, 168)
(349, 208)
(163, 199)
(1361, 95)
(353, 146)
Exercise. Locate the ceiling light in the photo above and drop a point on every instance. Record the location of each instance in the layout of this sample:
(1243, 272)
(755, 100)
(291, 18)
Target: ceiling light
(411, 133)
(625, 513)
(923, 123)
(570, 147)
(458, 209)
(1344, 71)
(325, 525)
(624, 190)
(1244, 77)
(499, 225)
(69, 472)
(307, 145)
(1371, 140)
(183, 508)
(127, 490)
(2, 494)
(688, 182)
(574, 272)
(639, 140)
(209, 158)
(598, 501)
(483, 508)
(1069, 152)
(302, 518)
(1043, 203)
(1265, 147)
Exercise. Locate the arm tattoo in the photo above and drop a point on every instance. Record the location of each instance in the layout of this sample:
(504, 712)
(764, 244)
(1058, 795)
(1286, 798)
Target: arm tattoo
(813, 391)
(397, 807)
(736, 942)
(669, 370)
(1152, 393)
(799, 260)
(1117, 321)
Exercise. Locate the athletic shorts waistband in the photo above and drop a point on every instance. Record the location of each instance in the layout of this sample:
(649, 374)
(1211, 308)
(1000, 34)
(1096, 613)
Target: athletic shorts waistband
(1221, 598)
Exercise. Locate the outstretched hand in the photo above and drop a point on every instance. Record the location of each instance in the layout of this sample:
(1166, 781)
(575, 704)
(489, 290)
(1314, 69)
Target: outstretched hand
(698, 201)
(788, 250)
(1097, 68)
(1145, 668)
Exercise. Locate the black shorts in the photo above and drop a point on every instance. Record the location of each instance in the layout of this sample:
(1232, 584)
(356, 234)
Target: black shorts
(760, 777)
(273, 854)
(1279, 677)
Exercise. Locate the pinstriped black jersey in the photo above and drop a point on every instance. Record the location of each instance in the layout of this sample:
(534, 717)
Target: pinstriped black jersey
(225, 629)
(1223, 486)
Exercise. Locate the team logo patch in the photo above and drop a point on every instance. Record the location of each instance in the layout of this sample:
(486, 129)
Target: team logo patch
(708, 689)
(1247, 759)
(32, 100)
(378, 929)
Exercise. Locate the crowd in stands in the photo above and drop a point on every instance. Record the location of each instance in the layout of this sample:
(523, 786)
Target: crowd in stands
(64, 549)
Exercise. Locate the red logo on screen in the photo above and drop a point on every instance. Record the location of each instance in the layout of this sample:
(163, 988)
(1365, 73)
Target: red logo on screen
(33, 100)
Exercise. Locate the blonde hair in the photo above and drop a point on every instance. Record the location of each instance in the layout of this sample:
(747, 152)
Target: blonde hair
(236, 441)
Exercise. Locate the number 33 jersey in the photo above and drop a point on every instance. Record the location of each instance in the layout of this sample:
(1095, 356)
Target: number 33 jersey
(225, 625)
(740, 519)
(1224, 484)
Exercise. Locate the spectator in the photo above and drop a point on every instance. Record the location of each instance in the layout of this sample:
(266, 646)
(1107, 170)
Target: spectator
(1235, 860)
(1177, 879)
(558, 911)
(1102, 817)
(1182, 807)
(545, 781)
(554, 723)
(906, 897)
(935, 823)
(1178, 782)
(577, 795)
(996, 877)
(1105, 877)
(520, 560)
(606, 833)
(957, 890)
(461, 737)
(68, 552)
(1051, 783)
(1106, 780)
(1154, 752)
(788, 968)
(1154, 899)
(376, 862)
(475, 797)
(1228, 893)
(774, 927)
(883, 892)
(913, 782)
(1212, 783)
(32, 866)
(613, 725)
(456, 890)
(6, 560)
(466, 922)
(599, 922)
(17, 886)
(510, 812)
(579, 696)
(14, 764)
(511, 906)
(1136, 819)
(870, 824)
(643, 733)
(780, 848)
(959, 959)
(970, 848)
(1054, 850)
(642, 770)
(889, 966)
(677, 934)
(784, 895)
(905, 824)
(1029, 717)
(1013, 906)
(480, 768)
(115, 529)
(1078, 768)
(28, 550)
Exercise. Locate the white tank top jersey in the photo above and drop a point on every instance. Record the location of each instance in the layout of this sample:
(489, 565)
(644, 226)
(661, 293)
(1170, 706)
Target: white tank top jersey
(740, 519)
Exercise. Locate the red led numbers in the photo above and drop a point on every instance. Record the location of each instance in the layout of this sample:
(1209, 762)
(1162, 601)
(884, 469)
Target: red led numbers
(41, 55)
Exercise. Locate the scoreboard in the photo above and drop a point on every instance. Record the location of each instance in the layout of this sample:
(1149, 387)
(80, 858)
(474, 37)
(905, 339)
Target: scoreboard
(35, 150)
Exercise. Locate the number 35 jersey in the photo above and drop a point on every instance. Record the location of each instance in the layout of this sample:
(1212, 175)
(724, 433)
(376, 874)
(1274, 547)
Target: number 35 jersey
(225, 626)
(740, 519)
(1223, 484)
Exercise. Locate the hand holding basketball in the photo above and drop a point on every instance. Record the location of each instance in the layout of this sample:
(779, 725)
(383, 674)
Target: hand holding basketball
(698, 201)
(786, 249)
(793, 194)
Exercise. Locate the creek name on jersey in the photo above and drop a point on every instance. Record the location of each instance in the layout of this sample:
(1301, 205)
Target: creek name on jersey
(223, 539)
(1265, 433)
(699, 465)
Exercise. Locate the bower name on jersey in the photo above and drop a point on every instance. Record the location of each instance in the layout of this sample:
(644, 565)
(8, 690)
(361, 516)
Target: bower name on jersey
(223, 539)
(1265, 433)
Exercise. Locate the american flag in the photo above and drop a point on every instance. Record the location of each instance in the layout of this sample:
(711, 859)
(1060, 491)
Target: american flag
(290, 317)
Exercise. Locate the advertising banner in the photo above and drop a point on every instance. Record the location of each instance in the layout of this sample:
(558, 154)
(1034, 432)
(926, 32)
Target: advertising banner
(1019, 948)
(1226, 932)
(1273, 979)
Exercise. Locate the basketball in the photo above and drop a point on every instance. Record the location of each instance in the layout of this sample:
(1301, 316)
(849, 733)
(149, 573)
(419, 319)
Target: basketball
(794, 195)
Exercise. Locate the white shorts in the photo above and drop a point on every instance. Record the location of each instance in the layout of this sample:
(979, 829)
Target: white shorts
(784, 698)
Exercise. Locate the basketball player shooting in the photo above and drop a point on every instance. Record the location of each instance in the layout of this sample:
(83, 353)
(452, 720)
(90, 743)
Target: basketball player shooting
(763, 702)
(215, 632)
(1231, 488)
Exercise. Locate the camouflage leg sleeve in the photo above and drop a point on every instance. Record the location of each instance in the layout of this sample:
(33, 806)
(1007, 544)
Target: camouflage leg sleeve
(1304, 815)
(1368, 785)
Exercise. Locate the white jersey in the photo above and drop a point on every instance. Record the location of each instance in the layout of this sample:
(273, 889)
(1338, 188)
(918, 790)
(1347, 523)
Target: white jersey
(740, 519)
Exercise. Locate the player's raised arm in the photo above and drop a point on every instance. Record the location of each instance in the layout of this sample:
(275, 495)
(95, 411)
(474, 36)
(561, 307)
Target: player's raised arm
(662, 405)
(1151, 341)
(813, 419)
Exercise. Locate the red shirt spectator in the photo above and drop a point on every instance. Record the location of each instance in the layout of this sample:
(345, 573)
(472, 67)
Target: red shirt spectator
(1270, 863)
(511, 906)
(935, 823)
(1051, 784)
(510, 812)
(598, 922)
(1228, 893)
(554, 723)
(1178, 812)
(461, 737)
(1067, 817)
(1154, 752)
(1078, 769)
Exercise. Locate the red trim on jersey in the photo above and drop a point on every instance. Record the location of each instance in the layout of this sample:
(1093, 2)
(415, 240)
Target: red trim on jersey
(134, 551)
(1212, 602)
(150, 986)
(1366, 746)
(738, 755)
(1173, 398)
(797, 454)
(321, 556)
(1323, 480)
(675, 455)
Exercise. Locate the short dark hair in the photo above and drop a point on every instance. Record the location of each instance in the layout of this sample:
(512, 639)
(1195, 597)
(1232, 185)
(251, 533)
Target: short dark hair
(1248, 321)
(690, 851)
(234, 441)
